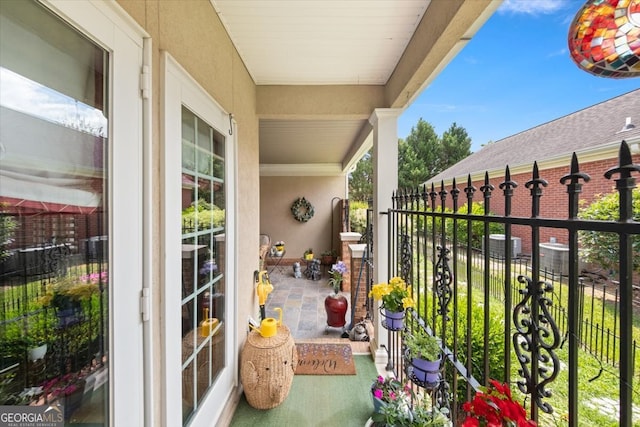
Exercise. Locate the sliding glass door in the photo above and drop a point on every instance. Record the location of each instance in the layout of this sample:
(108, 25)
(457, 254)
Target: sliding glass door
(60, 141)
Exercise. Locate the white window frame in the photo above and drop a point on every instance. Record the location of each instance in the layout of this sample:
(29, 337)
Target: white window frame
(179, 89)
(109, 26)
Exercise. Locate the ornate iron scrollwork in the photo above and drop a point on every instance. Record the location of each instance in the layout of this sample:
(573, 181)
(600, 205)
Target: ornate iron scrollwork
(536, 339)
(406, 258)
(54, 257)
(443, 281)
(439, 389)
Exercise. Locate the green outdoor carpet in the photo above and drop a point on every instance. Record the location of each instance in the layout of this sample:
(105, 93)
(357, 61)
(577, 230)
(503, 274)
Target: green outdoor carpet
(318, 401)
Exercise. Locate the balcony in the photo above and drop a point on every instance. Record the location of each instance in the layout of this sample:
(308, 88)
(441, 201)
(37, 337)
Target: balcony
(510, 318)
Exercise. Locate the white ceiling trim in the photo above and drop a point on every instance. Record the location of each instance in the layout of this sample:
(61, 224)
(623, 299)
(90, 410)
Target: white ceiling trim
(310, 169)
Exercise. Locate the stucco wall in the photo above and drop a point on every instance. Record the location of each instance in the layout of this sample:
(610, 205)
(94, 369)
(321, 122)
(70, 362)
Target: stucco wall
(277, 194)
(192, 33)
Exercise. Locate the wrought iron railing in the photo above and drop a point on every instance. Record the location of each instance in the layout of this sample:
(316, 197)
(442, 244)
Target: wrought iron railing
(367, 262)
(517, 338)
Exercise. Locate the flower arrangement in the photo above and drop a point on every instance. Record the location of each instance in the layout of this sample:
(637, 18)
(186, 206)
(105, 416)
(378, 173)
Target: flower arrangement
(494, 406)
(338, 270)
(400, 406)
(74, 288)
(395, 295)
(389, 389)
(208, 267)
(63, 385)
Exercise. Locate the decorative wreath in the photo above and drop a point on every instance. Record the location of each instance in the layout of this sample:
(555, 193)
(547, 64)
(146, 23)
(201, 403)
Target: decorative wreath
(302, 210)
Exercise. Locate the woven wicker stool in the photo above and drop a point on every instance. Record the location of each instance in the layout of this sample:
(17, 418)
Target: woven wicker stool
(267, 366)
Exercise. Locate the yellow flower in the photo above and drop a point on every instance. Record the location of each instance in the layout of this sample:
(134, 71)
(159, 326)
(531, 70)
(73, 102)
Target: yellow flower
(379, 290)
(408, 302)
(395, 295)
(397, 281)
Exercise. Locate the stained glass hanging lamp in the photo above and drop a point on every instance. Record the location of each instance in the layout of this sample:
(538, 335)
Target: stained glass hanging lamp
(604, 38)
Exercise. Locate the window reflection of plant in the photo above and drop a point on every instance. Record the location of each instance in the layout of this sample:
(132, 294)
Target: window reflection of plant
(207, 214)
(76, 288)
(84, 293)
(75, 347)
(8, 226)
(39, 330)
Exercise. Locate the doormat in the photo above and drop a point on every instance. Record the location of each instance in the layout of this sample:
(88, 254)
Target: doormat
(325, 359)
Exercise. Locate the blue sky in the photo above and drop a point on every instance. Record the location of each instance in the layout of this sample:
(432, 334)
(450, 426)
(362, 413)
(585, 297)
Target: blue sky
(515, 74)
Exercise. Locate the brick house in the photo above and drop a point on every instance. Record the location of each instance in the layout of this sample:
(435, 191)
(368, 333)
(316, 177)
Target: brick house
(593, 133)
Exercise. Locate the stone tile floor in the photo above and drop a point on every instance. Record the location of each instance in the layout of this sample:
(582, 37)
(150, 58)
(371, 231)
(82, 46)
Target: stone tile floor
(302, 303)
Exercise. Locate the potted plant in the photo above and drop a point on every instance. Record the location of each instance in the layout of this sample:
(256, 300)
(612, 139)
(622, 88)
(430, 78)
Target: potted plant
(396, 404)
(279, 248)
(396, 297)
(36, 336)
(424, 355)
(36, 344)
(308, 254)
(387, 389)
(328, 257)
(336, 304)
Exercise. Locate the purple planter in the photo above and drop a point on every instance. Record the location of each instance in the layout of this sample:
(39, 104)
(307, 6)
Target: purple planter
(394, 320)
(426, 371)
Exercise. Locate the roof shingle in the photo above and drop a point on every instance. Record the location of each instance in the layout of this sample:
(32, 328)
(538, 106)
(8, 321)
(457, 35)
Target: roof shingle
(591, 127)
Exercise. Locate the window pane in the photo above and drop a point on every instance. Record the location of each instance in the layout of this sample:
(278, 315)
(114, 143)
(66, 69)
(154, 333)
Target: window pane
(54, 263)
(203, 245)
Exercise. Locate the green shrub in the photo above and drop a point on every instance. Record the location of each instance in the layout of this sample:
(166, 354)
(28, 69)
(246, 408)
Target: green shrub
(207, 215)
(358, 216)
(602, 248)
(495, 338)
(477, 227)
(435, 223)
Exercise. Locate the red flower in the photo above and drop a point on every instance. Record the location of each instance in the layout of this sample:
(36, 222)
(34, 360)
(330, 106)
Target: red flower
(494, 407)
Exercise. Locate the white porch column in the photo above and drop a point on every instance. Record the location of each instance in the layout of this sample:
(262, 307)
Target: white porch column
(385, 182)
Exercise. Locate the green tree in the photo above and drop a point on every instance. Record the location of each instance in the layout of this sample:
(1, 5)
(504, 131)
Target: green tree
(361, 180)
(456, 145)
(418, 155)
(423, 154)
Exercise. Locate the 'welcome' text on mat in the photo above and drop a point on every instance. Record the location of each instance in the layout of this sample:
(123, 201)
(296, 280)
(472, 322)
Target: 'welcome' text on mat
(325, 359)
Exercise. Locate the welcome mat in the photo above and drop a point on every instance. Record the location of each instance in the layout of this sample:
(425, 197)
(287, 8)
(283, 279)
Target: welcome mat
(325, 359)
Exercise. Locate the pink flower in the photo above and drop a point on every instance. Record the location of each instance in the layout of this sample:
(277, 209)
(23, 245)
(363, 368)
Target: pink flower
(388, 389)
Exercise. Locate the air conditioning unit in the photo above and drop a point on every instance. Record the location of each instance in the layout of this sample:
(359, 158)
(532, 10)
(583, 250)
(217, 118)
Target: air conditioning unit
(554, 257)
(496, 246)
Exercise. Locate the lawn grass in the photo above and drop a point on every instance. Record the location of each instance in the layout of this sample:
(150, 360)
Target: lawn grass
(598, 378)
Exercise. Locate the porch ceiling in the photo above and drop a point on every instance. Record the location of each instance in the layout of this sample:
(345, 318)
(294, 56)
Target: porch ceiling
(365, 54)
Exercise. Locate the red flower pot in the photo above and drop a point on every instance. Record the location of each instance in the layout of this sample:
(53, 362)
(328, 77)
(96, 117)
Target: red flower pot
(336, 308)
